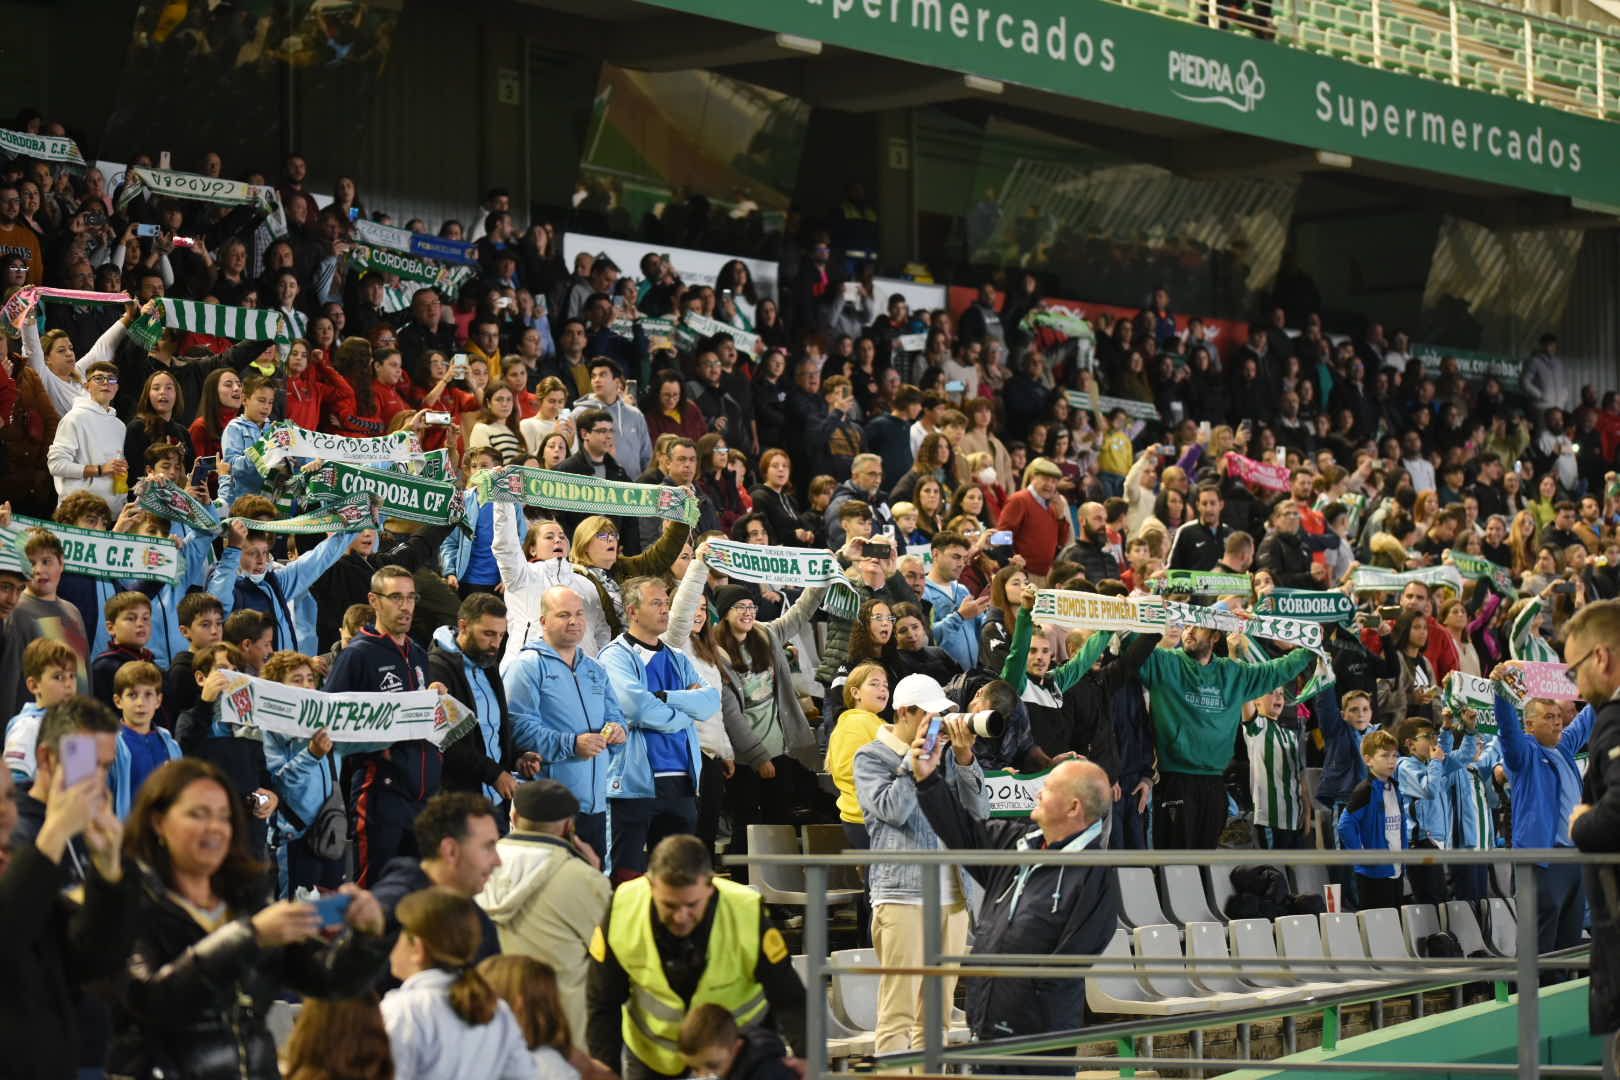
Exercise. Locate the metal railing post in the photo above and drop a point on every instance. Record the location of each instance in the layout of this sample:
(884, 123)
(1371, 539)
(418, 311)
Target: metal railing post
(1456, 44)
(1603, 105)
(1378, 34)
(1529, 980)
(815, 959)
(1214, 15)
(933, 987)
(1529, 62)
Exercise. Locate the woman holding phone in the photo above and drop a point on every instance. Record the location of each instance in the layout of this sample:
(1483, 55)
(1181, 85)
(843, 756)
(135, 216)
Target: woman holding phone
(211, 953)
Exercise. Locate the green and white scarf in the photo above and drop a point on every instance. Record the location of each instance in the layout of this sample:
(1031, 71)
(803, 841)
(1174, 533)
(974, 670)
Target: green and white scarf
(1141, 410)
(105, 556)
(1462, 693)
(1475, 568)
(215, 320)
(1311, 605)
(42, 148)
(208, 189)
(354, 514)
(586, 494)
(695, 327)
(170, 501)
(286, 439)
(1202, 583)
(411, 498)
(435, 465)
(448, 279)
(349, 717)
(789, 568)
(1369, 579)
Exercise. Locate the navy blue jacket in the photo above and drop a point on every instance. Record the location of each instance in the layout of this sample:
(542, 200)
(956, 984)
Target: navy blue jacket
(1342, 766)
(1361, 826)
(373, 664)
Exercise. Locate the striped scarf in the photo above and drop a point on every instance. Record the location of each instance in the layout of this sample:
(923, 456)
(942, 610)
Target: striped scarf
(214, 320)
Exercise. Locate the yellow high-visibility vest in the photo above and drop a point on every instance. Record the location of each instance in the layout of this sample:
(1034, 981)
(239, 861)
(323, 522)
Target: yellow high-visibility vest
(652, 1017)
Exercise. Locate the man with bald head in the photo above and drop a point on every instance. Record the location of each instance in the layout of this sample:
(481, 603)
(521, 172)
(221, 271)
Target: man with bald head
(1055, 910)
(560, 703)
(1090, 549)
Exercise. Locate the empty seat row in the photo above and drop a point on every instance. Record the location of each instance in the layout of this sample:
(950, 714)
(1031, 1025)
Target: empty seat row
(852, 1006)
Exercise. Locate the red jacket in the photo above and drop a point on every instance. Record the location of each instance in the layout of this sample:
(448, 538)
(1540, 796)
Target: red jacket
(389, 401)
(317, 393)
(691, 425)
(1039, 532)
(204, 444)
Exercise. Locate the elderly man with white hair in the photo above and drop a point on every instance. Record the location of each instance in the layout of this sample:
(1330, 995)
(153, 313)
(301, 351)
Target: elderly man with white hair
(1056, 910)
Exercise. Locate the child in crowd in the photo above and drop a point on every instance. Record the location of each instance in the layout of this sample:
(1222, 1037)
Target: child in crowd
(238, 751)
(52, 671)
(196, 555)
(129, 628)
(304, 774)
(1424, 776)
(246, 578)
(87, 510)
(712, 1046)
(40, 613)
(355, 617)
(142, 745)
(1276, 773)
(202, 623)
(238, 474)
(1373, 821)
(904, 526)
(529, 986)
(252, 634)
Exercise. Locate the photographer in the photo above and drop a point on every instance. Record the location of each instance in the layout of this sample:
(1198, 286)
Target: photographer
(1053, 910)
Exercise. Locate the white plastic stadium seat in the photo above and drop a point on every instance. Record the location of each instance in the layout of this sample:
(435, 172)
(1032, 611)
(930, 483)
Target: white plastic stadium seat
(1299, 937)
(1139, 897)
(1184, 897)
(1126, 996)
(1255, 939)
(1207, 941)
(1164, 943)
(1418, 921)
(842, 1042)
(1464, 926)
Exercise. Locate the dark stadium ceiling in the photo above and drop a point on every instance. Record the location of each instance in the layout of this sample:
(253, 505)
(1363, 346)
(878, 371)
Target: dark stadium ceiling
(640, 36)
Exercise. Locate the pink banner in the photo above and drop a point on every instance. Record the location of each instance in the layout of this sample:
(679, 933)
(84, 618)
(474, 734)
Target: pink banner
(1257, 473)
(23, 301)
(1548, 680)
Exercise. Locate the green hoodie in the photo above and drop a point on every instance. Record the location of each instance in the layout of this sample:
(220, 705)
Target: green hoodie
(1196, 708)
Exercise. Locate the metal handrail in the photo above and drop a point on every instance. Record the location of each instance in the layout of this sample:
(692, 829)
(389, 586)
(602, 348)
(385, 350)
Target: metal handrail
(1525, 969)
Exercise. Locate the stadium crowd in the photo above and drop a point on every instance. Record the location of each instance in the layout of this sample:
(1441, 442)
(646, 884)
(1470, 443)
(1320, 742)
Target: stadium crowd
(537, 896)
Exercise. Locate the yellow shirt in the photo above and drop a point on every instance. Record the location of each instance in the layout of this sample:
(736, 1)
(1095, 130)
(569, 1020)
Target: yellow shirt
(856, 728)
(1116, 454)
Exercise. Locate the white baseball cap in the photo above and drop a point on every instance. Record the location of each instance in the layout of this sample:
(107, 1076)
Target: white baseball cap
(922, 692)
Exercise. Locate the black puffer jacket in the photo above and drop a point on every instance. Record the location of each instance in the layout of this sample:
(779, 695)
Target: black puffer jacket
(192, 1004)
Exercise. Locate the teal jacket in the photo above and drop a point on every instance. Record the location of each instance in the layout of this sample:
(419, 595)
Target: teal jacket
(1196, 708)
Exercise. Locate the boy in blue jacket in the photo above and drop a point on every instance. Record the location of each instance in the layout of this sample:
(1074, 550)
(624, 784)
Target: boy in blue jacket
(1373, 821)
(304, 774)
(1424, 777)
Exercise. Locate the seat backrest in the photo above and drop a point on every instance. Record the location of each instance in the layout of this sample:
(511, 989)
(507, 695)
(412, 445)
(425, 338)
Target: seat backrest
(1381, 933)
(1124, 987)
(1418, 921)
(1502, 880)
(776, 840)
(1254, 939)
(1184, 897)
(856, 995)
(1207, 941)
(1162, 942)
(1503, 928)
(1309, 879)
(1139, 897)
(1464, 926)
(1220, 888)
(830, 839)
(1299, 937)
(1341, 937)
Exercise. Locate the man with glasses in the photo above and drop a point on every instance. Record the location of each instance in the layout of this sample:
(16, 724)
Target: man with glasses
(389, 786)
(16, 238)
(1592, 650)
(88, 451)
(595, 458)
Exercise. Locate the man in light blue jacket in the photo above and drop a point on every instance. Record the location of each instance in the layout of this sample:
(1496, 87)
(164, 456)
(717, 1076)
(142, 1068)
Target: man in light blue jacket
(958, 616)
(559, 701)
(652, 781)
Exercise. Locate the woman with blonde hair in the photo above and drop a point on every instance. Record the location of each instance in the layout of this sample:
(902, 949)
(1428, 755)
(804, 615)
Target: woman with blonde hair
(61, 369)
(445, 1021)
(595, 554)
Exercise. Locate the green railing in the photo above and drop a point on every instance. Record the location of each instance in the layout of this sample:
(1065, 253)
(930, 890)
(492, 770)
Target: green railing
(1562, 63)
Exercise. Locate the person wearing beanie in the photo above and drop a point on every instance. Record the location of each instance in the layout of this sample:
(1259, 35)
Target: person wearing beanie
(549, 893)
(1038, 517)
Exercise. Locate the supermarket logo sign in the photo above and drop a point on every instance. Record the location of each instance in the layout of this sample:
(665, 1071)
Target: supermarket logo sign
(1204, 80)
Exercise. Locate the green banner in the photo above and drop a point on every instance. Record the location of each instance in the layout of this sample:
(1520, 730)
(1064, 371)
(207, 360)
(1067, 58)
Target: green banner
(354, 514)
(168, 501)
(1473, 365)
(1309, 605)
(105, 556)
(1201, 583)
(1474, 568)
(586, 494)
(1110, 54)
(413, 498)
(447, 279)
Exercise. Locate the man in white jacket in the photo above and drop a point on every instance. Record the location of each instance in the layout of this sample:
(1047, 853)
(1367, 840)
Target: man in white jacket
(549, 893)
(526, 582)
(88, 451)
